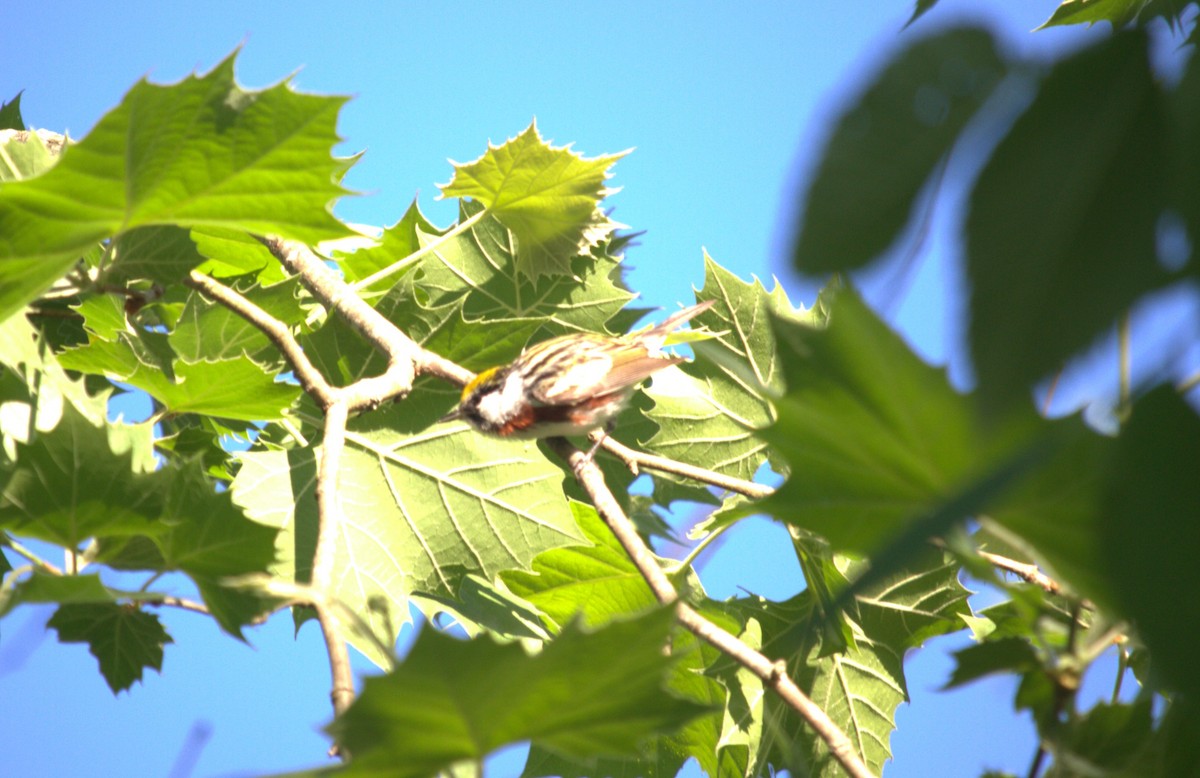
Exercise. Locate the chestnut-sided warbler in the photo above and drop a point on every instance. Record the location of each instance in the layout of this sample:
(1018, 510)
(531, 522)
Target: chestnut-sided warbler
(569, 385)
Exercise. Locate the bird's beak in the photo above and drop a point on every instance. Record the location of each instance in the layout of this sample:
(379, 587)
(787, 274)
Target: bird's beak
(453, 415)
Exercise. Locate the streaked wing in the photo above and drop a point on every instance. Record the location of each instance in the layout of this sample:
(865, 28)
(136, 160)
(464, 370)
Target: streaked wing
(599, 366)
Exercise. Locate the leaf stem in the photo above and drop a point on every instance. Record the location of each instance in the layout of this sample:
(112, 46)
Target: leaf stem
(396, 267)
(7, 541)
(636, 459)
(704, 543)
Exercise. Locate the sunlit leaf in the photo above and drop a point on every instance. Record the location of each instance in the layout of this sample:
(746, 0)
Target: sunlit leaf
(549, 197)
(709, 410)
(419, 513)
(203, 152)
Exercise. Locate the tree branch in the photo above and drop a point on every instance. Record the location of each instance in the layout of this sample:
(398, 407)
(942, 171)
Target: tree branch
(311, 380)
(330, 511)
(1030, 573)
(590, 477)
(407, 359)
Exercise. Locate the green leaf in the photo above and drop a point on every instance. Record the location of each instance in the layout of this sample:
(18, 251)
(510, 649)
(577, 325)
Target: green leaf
(594, 582)
(1149, 530)
(861, 687)
(208, 535)
(123, 638)
(234, 607)
(1105, 740)
(397, 243)
(41, 587)
(419, 514)
(203, 152)
(549, 197)
(161, 253)
(230, 388)
(585, 694)
(709, 411)
(1085, 250)
(81, 480)
(210, 332)
(29, 153)
(1004, 655)
(868, 454)
(1184, 135)
(887, 145)
(919, 10)
(1118, 12)
(597, 583)
(232, 252)
(10, 114)
(478, 269)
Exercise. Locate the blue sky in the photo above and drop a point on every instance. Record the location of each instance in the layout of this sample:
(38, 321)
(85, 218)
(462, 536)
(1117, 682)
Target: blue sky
(726, 109)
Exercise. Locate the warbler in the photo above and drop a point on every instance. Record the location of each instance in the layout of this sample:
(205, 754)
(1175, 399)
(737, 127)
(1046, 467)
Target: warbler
(569, 385)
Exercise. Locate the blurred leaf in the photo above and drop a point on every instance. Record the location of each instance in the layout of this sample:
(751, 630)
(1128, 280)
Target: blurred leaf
(872, 435)
(1104, 740)
(1085, 250)
(549, 197)
(123, 638)
(10, 114)
(886, 147)
(1184, 171)
(585, 694)
(1003, 655)
(234, 607)
(200, 152)
(1150, 529)
(43, 587)
(919, 10)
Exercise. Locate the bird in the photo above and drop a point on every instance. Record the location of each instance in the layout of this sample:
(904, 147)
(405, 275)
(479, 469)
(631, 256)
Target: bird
(569, 385)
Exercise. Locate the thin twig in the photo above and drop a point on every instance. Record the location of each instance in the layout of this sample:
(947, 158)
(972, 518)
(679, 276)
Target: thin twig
(639, 459)
(774, 675)
(182, 603)
(1029, 573)
(7, 541)
(412, 258)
